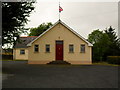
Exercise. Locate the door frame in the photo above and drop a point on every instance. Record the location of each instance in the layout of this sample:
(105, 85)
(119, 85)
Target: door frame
(55, 49)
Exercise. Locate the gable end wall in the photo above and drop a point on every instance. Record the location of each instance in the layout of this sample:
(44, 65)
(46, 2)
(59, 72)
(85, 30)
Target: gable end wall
(59, 32)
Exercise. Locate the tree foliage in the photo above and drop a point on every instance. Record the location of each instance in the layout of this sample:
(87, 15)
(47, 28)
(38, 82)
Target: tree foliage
(95, 36)
(14, 18)
(40, 29)
(104, 44)
(114, 42)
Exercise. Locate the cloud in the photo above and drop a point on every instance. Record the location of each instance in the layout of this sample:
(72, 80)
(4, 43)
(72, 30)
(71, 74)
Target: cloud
(83, 17)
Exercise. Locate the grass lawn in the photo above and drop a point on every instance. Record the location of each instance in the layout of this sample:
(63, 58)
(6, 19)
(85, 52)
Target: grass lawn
(104, 63)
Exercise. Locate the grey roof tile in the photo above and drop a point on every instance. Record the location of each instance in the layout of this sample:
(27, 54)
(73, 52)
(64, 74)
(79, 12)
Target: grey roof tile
(24, 41)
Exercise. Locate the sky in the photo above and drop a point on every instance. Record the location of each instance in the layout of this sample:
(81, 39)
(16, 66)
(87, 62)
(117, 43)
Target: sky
(83, 17)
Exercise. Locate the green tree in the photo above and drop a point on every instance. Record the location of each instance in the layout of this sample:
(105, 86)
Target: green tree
(14, 18)
(114, 46)
(104, 44)
(95, 36)
(40, 29)
(99, 40)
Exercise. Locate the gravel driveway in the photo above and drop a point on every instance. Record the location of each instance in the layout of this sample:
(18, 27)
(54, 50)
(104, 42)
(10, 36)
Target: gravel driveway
(23, 75)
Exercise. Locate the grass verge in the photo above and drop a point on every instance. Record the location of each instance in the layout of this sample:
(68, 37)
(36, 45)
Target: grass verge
(104, 63)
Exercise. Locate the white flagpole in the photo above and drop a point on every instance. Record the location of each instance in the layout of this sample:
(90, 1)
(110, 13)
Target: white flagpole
(59, 10)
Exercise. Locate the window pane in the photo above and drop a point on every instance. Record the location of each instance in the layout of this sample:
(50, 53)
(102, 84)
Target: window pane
(59, 42)
(82, 48)
(36, 48)
(22, 51)
(71, 48)
(47, 48)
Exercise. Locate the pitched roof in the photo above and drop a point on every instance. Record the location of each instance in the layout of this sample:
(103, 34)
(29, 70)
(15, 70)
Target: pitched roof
(24, 41)
(59, 21)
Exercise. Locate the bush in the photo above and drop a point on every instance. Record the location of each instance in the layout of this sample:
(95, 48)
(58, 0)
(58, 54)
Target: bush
(113, 59)
(7, 57)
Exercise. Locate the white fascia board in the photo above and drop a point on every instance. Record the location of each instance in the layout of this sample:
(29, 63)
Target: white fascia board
(89, 44)
(29, 44)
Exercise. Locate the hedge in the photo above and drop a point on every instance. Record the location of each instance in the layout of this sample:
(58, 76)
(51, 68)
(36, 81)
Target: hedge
(113, 59)
(7, 57)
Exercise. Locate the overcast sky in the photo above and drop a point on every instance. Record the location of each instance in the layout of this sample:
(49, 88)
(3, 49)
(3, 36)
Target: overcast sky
(83, 17)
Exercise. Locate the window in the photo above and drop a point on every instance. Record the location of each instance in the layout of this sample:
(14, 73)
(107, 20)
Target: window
(22, 51)
(82, 48)
(59, 42)
(71, 48)
(47, 48)
(36, 48)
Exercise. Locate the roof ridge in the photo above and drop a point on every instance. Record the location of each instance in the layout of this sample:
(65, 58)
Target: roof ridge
(69, 28)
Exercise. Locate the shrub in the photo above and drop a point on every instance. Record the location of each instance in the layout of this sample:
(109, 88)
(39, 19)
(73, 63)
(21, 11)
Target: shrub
(113, 59)
(7, 57)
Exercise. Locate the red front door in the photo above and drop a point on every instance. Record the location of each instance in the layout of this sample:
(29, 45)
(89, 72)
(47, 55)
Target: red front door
(59, 50)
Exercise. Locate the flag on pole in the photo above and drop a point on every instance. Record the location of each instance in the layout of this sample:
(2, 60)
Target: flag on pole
(60, 9)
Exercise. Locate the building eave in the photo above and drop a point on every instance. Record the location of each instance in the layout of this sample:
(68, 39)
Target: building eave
(29, 44)
(59, 21)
